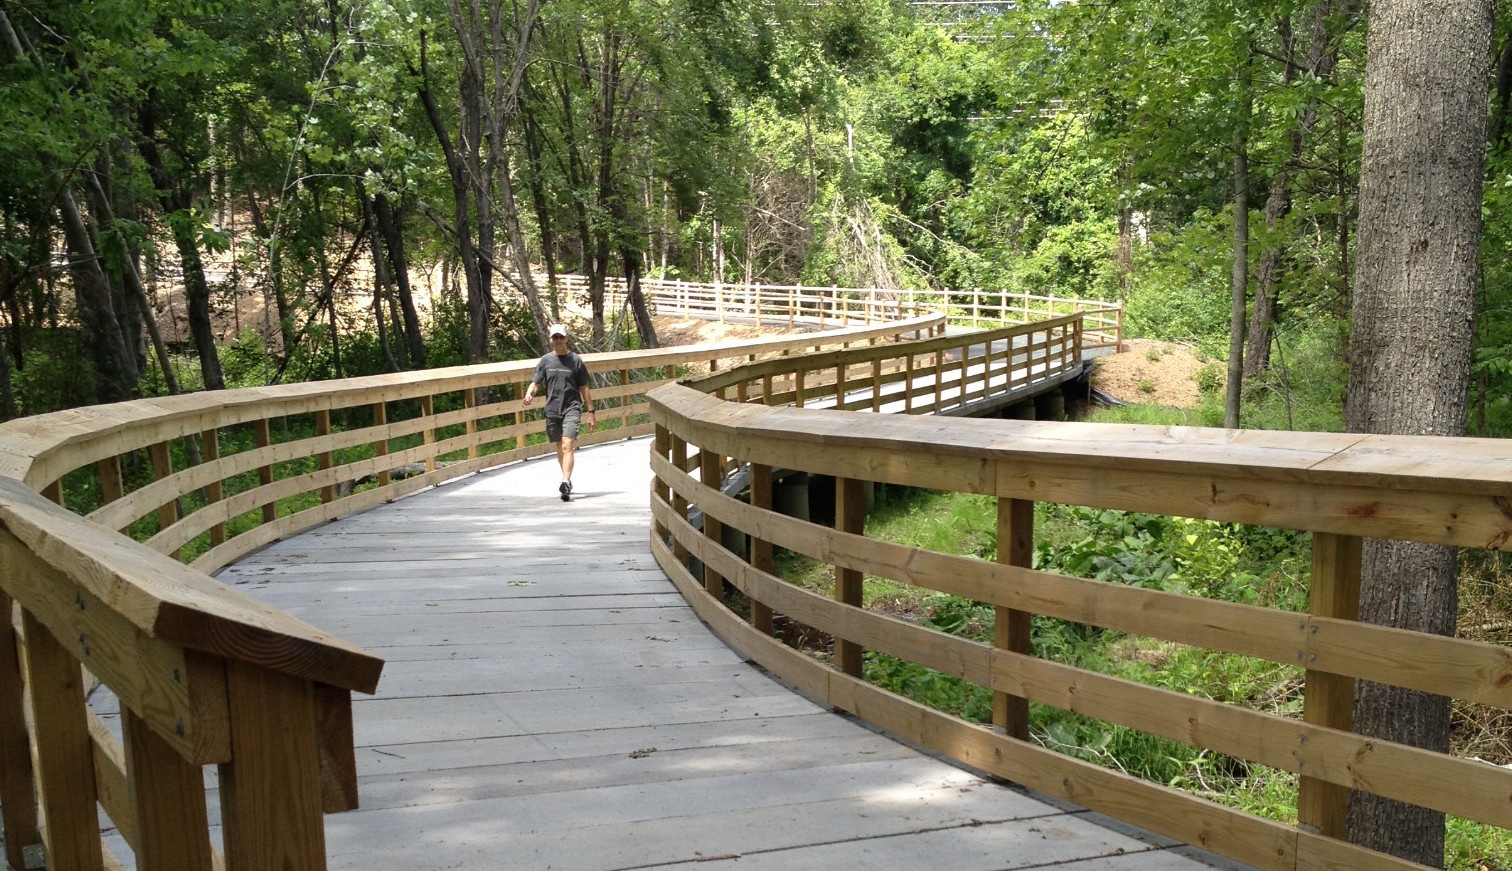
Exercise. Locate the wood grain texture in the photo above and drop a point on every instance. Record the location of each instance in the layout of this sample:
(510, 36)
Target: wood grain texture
(64, 758)
(164, 600)
(270, 792)
(18, 788)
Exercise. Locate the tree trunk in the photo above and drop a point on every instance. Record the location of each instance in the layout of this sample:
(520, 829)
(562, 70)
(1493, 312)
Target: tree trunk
(541, 204)
(393, 238)
(176, 202)
(1321, 63)
(1413, 319)
(638, 309)
(114, 361)
(1240, 288)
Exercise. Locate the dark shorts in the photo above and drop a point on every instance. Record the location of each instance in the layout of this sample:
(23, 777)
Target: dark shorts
(566, 425)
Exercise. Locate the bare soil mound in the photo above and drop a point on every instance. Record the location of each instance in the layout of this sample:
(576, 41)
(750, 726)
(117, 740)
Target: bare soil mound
(1151, 372)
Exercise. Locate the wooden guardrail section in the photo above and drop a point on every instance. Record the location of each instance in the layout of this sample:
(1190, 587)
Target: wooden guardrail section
(1342, 488)
(827, 307)
(203, 674)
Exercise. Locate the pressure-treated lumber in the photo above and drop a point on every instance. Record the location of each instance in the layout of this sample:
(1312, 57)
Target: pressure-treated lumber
(18, 789)
(270, 791)
(65, 763)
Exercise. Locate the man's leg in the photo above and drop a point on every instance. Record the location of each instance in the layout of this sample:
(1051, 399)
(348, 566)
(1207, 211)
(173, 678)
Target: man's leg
(565, 448)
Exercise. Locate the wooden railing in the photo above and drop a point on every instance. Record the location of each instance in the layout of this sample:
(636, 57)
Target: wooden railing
(1341, 488)
(203, 674)
(964, 374)
(827, 307)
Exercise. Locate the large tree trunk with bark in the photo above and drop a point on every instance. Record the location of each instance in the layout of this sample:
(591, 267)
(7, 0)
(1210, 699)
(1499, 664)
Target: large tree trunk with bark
(1413, 320)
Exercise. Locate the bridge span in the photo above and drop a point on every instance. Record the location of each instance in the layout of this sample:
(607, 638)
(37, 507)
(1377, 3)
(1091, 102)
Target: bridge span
(551, 701)
(237, 733)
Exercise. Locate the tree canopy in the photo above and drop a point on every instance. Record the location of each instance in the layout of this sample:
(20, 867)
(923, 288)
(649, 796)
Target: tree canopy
(390, 184)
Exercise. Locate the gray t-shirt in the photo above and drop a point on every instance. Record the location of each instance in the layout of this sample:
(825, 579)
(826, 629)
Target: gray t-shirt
(561, 377)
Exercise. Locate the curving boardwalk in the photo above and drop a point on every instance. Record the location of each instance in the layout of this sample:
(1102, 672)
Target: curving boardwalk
(551, 703)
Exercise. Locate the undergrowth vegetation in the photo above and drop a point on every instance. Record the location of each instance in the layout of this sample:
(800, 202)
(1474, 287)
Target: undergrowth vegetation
(1236, 563)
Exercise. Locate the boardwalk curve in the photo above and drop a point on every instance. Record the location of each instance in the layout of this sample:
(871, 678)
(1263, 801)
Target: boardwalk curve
(551, 702)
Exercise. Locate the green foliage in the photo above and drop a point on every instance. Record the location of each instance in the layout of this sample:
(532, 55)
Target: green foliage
(928, 687)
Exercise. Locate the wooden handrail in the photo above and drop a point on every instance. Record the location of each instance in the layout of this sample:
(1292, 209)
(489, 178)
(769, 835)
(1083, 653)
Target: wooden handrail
(204, 674)
(1340, 487)
(786, 305)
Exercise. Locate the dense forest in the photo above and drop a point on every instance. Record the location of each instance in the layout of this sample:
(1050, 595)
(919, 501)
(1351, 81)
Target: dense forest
(318, 158)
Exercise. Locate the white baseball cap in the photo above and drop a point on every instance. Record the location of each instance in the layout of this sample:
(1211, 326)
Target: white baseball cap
(557, 330)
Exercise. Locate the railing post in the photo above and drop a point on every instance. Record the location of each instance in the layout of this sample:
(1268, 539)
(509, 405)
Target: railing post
(624, 380)
(263, 438)
(661, 445)
(323, 459)
(939, 381)
(711, 474)
(111, 487)
(428, 411)
(519, 415)
(215, 490)
(167, 802)
(908, 376)
(381, 446)
(470, 402)
(162, 467)
(271, 813)
(65, 761)
(18, 785)
(680, 504)
(1011, 630)
(850, 516)
(761, 550)
(1328, 699)
(876, 389)
(798, 388)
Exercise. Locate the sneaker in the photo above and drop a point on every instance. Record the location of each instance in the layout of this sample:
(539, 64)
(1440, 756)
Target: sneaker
(565, 490)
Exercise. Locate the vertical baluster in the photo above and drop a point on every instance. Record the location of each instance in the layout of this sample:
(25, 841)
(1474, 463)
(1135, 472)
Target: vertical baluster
(876, 388)
(470, 402)
(262, 437)
(624, 403)
(709, 467)
(1015, 535)
(271, 812)
(661, 445)
(111, 485)
(381, 444)
(762, 556)
(18, 785)
(850, 516)
(167, 802)
(65, 768)
(324, 458)
(428, 411)
(162, 467)
(215, 491)
(680, 504)
(908, 383)
(1328, 699)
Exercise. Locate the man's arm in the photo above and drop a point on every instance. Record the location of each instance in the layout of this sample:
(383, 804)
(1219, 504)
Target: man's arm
(587, 397)
(530, 390)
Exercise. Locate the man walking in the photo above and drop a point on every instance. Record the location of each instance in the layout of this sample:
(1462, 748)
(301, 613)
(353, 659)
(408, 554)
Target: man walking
(564, 377)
